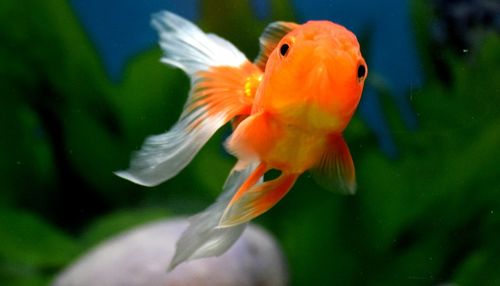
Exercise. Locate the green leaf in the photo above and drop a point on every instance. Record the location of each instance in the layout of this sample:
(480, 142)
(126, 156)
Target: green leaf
(27, 239)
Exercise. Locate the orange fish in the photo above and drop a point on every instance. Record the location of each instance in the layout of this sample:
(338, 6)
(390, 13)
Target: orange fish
(288, 109)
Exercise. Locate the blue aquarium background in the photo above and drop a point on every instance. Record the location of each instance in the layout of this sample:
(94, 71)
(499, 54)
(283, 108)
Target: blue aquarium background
(81, 86)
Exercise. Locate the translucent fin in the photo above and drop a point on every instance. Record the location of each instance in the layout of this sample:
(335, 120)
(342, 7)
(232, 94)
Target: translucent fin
(163, 156)
(335, 171)
(187, 47)
(220, 77)
(202, 238)
(271, 36)
(250, 203)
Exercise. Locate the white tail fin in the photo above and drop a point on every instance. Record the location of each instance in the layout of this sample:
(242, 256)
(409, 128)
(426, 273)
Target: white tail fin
(163, 156)
(187, 47)
(203, 238)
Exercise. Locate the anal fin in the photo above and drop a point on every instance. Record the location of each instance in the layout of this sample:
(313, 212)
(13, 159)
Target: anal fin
(203, 238)
(252, 202)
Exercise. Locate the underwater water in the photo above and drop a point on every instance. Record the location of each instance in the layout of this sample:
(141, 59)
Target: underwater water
(81, 86)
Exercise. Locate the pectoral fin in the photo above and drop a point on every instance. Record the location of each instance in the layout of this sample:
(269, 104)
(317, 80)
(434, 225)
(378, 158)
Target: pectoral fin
(335, 170)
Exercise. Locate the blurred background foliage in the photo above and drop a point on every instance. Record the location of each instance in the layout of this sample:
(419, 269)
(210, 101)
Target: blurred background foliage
(427, 216)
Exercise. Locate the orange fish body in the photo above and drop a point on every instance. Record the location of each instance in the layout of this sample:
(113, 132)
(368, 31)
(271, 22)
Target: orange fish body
(288, 109)
(310, 89)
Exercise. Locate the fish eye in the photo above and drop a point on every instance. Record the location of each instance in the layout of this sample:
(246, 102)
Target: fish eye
(284, 49)
(361, 71)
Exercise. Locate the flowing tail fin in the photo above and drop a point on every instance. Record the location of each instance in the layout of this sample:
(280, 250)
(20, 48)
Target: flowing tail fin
(203, 238)
(223, 84)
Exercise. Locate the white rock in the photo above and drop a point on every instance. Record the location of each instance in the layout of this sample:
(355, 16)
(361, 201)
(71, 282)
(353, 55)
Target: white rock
(141, 256)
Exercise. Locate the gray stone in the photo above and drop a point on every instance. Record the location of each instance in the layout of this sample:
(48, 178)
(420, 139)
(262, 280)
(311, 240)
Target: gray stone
(141, 256)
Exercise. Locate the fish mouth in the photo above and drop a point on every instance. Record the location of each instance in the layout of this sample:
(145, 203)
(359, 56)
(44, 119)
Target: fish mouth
(321, 76)
(323, 66)
(329, 67)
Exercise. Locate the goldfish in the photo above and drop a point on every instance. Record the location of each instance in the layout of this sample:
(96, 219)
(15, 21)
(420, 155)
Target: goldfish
(288, 109)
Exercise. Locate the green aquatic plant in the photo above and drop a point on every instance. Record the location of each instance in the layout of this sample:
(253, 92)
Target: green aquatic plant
(428, 217)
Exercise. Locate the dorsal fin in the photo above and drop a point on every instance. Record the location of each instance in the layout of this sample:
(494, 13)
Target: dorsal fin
(270, 38)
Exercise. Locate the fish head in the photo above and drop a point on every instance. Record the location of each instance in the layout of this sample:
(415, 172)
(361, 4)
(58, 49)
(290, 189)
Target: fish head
(315, 76)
